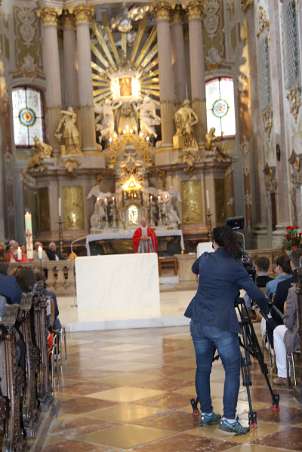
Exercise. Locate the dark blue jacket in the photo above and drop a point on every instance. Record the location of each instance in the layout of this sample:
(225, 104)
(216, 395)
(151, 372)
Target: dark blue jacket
(220, 279)
(10, 289)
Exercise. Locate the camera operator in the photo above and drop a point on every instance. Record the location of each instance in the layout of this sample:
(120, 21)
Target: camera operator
(214, 323)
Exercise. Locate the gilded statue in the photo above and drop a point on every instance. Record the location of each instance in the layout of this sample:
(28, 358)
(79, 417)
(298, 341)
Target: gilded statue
(185, 120)
(44, 149)
(148, 117)
(127, 118)
(67, 133)
(210, 138)
(41, 151)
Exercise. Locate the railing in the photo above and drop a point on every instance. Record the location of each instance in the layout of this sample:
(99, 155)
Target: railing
(60, 275)
(25, 388)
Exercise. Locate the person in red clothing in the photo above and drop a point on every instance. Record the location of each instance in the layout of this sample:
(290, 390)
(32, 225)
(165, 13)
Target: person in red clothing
(144, 239)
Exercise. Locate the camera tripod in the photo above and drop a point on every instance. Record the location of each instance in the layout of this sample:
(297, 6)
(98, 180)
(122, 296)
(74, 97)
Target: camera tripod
(249, 347)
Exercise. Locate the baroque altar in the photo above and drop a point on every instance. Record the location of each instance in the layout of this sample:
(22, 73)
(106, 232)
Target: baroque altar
(132, 153)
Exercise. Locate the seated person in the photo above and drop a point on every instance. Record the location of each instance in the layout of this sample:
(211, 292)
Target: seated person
(283, 271)
(52, 253)
(286, 337)
(9, 287)
(262, 265)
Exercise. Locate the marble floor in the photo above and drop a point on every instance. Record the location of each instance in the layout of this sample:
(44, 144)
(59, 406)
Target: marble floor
(129, 390)
(172, 304)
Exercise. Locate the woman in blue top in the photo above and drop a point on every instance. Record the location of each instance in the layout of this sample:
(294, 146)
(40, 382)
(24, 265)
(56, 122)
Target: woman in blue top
(283, 271)
(214, 323)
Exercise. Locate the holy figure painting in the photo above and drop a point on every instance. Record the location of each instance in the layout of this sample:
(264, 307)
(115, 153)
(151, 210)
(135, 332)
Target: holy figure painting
(125, 86)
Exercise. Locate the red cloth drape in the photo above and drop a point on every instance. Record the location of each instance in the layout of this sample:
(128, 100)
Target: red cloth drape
(137, 236)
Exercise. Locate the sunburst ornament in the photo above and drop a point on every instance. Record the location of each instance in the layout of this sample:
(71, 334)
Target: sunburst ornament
(125, 68)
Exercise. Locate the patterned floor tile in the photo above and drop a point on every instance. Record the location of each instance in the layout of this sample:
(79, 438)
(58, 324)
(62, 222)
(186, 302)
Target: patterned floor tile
(126, 436)
(127, 394)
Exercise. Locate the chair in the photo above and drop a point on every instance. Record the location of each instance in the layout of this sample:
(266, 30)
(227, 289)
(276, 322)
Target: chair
(168, 262)
(291, 369)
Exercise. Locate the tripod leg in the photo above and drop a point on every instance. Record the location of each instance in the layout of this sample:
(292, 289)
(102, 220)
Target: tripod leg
(257, 353)
(246, 379)
(194, 404)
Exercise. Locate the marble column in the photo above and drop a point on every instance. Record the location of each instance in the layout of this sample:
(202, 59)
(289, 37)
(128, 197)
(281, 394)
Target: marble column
(166, 74)
(71, 98)
(197, 67)
(181, 88)
(51, 64)
(83, 15)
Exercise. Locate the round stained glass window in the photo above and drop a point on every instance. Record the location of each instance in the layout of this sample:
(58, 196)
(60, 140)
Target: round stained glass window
(27, 117)
(220, 108)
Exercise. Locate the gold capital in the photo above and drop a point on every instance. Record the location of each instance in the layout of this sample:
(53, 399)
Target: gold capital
(83, 14)
(177, 14)
(49, 16)
(162, 10)
(68, 20)
(194, 9)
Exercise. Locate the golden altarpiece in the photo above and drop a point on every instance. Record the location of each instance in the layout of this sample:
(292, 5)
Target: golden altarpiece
(135, 166)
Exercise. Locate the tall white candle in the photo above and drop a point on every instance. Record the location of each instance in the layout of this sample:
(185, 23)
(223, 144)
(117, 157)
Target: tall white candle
(29, 236)
(60, 207)
(208, 199)
(40, 252)
(19, 254)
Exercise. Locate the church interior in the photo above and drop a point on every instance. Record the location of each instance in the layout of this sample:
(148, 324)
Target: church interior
(128, 131)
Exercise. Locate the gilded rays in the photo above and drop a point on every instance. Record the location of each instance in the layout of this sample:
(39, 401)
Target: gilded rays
(133, 54)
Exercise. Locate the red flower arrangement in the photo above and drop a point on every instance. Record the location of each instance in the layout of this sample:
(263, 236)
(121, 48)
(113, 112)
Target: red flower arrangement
(293, 238)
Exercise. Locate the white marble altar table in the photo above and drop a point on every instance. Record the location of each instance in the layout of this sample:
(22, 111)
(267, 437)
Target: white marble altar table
(117, 287)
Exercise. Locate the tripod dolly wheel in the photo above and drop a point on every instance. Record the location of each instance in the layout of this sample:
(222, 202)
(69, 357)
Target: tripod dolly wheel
(194, 404)
(253, 420)
(275, 405)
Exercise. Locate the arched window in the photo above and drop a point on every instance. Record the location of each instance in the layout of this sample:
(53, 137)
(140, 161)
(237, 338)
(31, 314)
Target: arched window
(221, 106)
(28, 116)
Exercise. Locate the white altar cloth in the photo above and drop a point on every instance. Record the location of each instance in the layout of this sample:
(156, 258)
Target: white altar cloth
(117, 287)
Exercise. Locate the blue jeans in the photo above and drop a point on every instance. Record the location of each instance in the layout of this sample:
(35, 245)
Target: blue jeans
(206, 340)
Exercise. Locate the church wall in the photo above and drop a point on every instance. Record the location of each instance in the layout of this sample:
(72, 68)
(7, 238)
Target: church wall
(25, 69)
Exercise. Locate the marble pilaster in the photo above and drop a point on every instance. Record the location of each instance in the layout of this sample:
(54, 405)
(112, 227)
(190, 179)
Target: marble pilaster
(71, 97)
(51, 64)
(83, 15)
(197, 67)
(166, 75)
(280, 123)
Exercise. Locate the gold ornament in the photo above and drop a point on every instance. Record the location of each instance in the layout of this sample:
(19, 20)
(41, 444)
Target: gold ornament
(49, 16)
(263, 21)
(245, 4)
(294, 98)
(267, 116)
